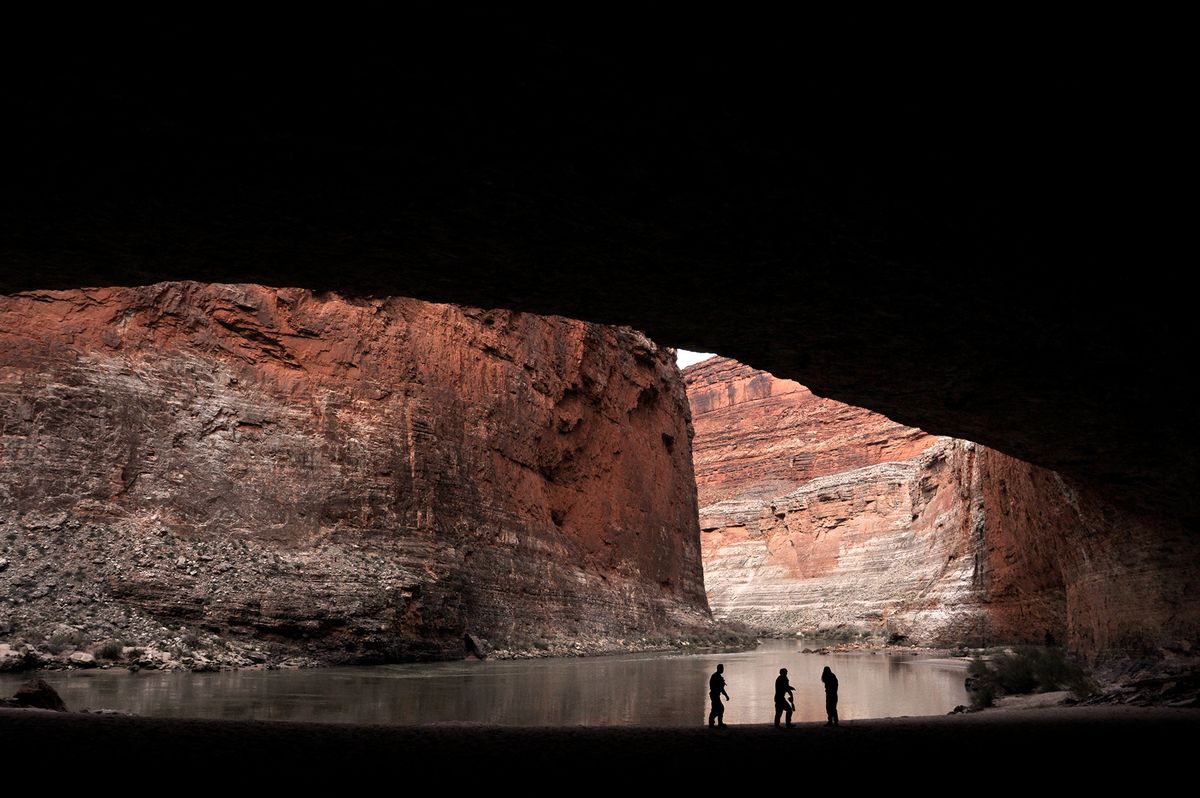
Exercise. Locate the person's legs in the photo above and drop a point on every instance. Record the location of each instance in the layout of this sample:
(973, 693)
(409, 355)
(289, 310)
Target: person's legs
(778, 712)
(717, 713)
(788, 710)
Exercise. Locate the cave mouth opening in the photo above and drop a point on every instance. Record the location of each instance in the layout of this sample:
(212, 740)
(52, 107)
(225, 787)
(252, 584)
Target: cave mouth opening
(825, 520)
(687, 358)
(201, 421)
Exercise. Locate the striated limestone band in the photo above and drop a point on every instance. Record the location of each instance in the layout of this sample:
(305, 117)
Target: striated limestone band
(883, 548)
(341, 479)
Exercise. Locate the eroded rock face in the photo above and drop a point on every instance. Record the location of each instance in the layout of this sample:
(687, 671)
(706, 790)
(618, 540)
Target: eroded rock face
(762, 436)
(885, 549)
(1121, 583)
(821, 517)
(348, 479)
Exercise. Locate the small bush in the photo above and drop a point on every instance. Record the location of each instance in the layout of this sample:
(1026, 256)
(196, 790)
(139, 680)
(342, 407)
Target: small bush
(1017, 674)
(1055, 672)
(64, 641)
(1027, 669)
(192, 641)
(980, 683)
(110, 650)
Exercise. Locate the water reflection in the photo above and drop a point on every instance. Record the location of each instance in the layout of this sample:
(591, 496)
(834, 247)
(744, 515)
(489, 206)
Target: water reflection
(644, 690)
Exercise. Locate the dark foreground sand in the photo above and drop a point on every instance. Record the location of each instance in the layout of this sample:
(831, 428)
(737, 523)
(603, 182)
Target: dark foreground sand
(1073, 746)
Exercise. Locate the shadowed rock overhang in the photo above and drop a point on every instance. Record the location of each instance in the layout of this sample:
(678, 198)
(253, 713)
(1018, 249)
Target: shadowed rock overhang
(975, 248)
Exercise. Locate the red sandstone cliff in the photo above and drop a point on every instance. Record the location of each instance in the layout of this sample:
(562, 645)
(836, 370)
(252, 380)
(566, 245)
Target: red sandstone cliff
(353, 479)
(1122, 582)
(762, 436)
(821, 517)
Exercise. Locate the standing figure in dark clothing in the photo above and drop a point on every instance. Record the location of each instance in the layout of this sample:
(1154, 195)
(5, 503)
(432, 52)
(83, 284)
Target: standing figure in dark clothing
(716, 689)
(783, 703)
(831, 684)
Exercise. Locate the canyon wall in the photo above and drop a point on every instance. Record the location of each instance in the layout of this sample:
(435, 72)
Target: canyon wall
(820, 517)
(341, 479)
(1123, 582)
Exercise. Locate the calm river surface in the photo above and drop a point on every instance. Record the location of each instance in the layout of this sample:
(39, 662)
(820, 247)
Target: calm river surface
(634, 689)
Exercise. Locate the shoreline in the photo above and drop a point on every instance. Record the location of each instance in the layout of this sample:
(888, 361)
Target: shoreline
(734, 641)
(22, 657)
(572, 650)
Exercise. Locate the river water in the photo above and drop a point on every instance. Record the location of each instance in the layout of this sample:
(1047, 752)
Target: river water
(633, 689)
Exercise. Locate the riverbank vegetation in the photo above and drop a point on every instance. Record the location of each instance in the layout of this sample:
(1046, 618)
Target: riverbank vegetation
(1025, 669)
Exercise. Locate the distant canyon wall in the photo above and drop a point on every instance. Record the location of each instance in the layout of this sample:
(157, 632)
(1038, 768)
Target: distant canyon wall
(825, 518)
(351, 479)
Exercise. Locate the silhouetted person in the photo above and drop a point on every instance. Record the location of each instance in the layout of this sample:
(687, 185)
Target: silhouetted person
(1049, 638)
(783, 696)
(831, 684)
(716, 689)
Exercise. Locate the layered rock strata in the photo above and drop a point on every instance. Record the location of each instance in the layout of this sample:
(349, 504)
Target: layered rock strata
(824, 518)
(341, 479)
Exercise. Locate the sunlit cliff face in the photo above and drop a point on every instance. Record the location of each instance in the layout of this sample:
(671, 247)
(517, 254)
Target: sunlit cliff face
(347, 478)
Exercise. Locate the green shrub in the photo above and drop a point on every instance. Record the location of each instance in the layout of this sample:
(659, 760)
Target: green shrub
(1054, 671)
(980, 683)
(65, 641)
(110, 650)
(1026, 669)
(1016, 674)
